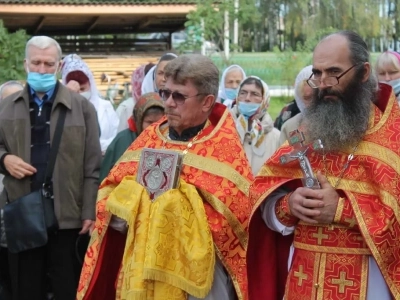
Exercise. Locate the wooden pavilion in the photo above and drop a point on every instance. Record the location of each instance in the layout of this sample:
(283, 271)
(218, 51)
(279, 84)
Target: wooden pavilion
(101, 31)
(98, 25)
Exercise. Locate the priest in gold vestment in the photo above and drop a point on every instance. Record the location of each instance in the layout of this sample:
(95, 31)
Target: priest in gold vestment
(346, 233)
(189, 242)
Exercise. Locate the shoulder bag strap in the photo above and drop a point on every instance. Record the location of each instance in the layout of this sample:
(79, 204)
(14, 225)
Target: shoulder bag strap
(55, 145)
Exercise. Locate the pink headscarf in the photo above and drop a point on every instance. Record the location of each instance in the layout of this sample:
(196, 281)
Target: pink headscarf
(136, 83)
(395, 54)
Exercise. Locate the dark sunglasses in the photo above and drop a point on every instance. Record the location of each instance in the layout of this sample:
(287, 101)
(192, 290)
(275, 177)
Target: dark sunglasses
(178, 98)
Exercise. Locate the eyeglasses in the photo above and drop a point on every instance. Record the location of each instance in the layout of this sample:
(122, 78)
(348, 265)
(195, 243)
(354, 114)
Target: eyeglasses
(178, 98)
(328, 81)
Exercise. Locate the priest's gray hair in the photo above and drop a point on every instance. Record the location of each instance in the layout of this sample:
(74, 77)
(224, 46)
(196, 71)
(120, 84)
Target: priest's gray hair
(42, 42)
(199, 69)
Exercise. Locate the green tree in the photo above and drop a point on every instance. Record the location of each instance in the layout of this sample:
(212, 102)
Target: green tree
(12, 54)
(208, 21)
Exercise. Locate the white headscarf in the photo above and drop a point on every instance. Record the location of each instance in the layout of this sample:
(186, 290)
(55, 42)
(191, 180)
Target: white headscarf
(74, 62)
(149, 84)
(266, 97)
(221, 91)
(304, 74)
(106, 115)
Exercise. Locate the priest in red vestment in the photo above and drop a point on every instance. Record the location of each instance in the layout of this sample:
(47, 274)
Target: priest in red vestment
(190, 242)
(346, 231)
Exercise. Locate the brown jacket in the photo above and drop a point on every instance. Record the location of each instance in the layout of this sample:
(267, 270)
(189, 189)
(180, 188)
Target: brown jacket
(76, 171)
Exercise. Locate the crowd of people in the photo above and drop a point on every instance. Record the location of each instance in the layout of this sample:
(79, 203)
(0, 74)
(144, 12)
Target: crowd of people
(241, 219)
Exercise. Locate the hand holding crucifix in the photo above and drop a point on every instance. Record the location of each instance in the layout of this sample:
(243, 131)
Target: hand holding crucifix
(296, 140)
(310, 206)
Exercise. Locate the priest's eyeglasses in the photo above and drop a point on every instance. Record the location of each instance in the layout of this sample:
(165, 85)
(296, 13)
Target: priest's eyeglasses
(178, 98)
(328, 81)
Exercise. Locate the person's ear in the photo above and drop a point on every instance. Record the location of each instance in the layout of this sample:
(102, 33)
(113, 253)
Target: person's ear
(208, 103)
(367, 71)
(26, 66)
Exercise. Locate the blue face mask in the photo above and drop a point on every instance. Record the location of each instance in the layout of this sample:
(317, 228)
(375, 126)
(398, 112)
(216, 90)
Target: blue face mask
(395, 83)
(41, 83)
(231, 94)
(248, 109)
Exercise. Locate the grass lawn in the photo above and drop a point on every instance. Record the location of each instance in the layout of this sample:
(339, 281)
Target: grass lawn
(276, 105)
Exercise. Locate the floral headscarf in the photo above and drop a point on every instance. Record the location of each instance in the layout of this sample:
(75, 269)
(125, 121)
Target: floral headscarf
(136, 82)
(144, 102)
(265, 101)
(74, 62)
(261, 121)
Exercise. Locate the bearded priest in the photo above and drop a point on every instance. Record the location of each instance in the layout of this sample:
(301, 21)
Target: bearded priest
(341, 203)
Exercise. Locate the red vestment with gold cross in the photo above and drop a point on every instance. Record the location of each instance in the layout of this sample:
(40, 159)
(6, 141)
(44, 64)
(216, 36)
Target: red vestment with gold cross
(217, 166)
(331, 262)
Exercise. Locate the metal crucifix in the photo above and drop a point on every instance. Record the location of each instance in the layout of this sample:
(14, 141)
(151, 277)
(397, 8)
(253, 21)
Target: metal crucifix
(296, 140)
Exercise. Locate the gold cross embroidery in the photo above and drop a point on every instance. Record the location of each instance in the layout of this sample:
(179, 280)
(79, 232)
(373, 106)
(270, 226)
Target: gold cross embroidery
(281, 214)
(351, 221)
(300, 275)
(389, 224)
(361, 238)
(342, 282)
(320, 236)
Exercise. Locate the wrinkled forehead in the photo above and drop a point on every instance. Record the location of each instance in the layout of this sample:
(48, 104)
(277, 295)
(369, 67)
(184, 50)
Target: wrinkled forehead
(331, 52)
(179, 84)
(250, 87)
(234, 74)
(48, 54)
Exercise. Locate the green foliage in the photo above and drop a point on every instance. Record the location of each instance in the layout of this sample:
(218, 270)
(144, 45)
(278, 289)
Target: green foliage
(291, 63)
(211, 12)
(314, 38)
(12, 53)
(276, 104)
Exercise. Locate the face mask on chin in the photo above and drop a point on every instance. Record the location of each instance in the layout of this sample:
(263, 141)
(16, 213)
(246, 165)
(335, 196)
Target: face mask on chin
(41, 83)
(248, 109)
(86, 94)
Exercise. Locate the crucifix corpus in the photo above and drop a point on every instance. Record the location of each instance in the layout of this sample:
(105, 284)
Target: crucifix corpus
(296, 140)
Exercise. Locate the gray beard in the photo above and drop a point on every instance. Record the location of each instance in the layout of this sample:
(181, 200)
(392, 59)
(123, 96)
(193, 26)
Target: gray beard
(339, 123)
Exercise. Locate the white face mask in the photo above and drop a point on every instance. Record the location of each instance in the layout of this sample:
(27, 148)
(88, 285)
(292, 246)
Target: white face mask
(86, 94)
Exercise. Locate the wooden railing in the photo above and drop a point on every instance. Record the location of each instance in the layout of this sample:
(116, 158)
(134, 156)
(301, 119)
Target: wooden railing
(108, 46)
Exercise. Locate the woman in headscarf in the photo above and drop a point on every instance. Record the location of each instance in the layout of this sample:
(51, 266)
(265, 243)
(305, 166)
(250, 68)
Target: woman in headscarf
(148, 110)
(388, 70)
(77, 76)
(154, 79)
(229, 84)
(303, 94)
(253, 122)
(125, 108)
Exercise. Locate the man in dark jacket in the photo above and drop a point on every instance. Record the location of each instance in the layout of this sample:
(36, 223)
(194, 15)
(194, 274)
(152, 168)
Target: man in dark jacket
(27, 121)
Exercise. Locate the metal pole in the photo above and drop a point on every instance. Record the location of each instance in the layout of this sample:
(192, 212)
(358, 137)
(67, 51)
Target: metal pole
(236, 26)
(203, 45)
(226, 34)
